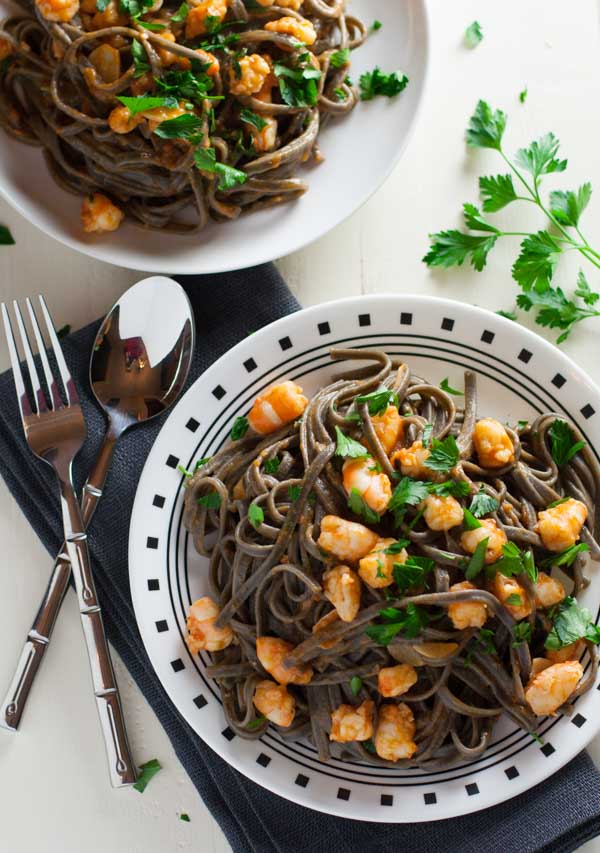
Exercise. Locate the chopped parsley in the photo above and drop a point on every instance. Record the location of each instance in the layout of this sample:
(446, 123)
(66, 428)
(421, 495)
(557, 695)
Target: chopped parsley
(186, 126)
(444, 454)
(149, 25)
(558, 503)
(210, 501)
(410, 622)
(143, 103)
(426, 437)
(248, 117)
(239, 428)
(413, 572)
(470, 522)
(348, 447)
(356, 684)
(566, 557)
(396, 547)
(298, 85)
(445, 386)
(256, 723)
(185, 817)
(562, 443)
(522, 633)
(229, 177)
(477, 561)
(340, 57)
(473, 35)
(375, 82)
(271, 465)
(482, 504)
(571, 623)
(455, 488)
(140, 59)
(256, 515)
(358, 505)
(147, 771)
(514, 600)
(523, 95)
(515, 562)
(193, 85)
(378, 401)
(376, 25)
(408, 492)
(294, 492)
(181, 14)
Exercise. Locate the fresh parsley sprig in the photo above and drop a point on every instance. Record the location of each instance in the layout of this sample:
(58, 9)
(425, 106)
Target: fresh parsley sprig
(571, 623)
(540, 251)
(410, 622)
(563, 446)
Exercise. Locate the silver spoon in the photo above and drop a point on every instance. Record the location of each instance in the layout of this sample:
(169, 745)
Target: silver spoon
(138, 367)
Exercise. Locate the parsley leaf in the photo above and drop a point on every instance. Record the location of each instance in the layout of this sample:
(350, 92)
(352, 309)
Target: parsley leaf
(143, 103)
(445, 386)
(522, 632)
(150, 25)
(523, 95)
(140, 59)
(376, 25)
(298, 85)
(566, 557)
(410, 622)
(147, 771)
(413, 572)
(563, 446)
(496, 192)
(537, 260)
(396, 547)
(567, 206)
(555, 310)
(482, 504)
(356, 684)
(239, 428)
(182, 127)
(473, 35)
(210, 501)
(515, 562)
(294, 492)
(584, 291)
(185, 817)
(229, 177)
(340, 57)
(540, 158)
(426, 437)
(181, 14)
(134, 8)
(453, 248)
(514, 600)
(486, 127)
(375, 82)
(571, 623)
(408, 492)
(348, 447)
(358, 505)
(444, 454)
(253, 119)
(192, 85)
(477, 561)
(470, 522)
(378, 400)
(256, 515)
(455, 488)
(256, 723)
(271, 465)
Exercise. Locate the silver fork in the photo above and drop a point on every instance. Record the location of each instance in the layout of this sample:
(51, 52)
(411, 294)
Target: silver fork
(55, 431)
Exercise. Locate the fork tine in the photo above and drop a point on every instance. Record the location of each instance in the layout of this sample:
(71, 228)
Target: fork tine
(22, 397)
(42, 405)
(65, 374)
(50, 380)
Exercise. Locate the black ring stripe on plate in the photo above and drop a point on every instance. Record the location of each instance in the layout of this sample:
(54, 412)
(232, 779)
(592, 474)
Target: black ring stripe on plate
(513, 389)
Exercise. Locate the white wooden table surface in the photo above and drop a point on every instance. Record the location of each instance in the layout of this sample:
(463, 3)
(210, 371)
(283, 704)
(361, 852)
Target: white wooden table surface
(54, 794)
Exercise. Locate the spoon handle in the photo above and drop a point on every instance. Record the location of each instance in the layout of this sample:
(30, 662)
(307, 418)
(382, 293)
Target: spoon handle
(38, 637)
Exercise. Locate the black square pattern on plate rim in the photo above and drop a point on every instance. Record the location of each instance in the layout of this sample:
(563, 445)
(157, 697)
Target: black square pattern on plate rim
(547, 749)
(152, 543)
(587, 411)
(228, 734)
(343, 794)
(386, 800)
(578, 720)
(219, 392)
(324, 328)
(301, 780)
(200, 701)
(525, 356)
(153, 584)
(448, 324)
(472, 788)
(364, 319)
(487, 337)
(511, 773)
(158, 501)
(430, 799)
(558, 380)
(172, 461)
(406, 318)
(250, 365)
(177, 665)
(285, 343)
(162, 625)
(192, 425)
(263, 760)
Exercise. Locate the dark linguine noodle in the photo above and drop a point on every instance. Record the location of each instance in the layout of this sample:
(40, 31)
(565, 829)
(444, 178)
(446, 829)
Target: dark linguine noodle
(267, 577)
(58, 92)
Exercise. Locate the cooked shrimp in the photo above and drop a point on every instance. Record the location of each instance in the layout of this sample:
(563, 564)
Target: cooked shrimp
(325, 622)
(503, 588)
(107, 62)
(412, 461)
(467, 614)
(272, 652)
(264, 139)
(539, 664)
(377, 568)
(560, 526)
(195, 22)
(548, 591)
(300, 29)
(157, 115)
(492, 444)
(489, 530)
(374, 487)
(551, 687)
(389, 428)
(284, 4)
(202, 631)
(346, 540)
(58, 10)
(280, 405)
(349, 723)
(571, 652)
(110, 17)
(342, 587)
(395, 732)
(251, 75)
(396, 680)
(442, 513)
(275, 702)
(120, 120)
(99, 214)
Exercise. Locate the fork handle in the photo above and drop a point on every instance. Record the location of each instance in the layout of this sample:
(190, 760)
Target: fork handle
(38, 638)
(121, 766)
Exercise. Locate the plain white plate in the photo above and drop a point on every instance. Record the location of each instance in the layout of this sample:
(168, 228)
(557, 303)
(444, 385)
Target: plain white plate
(519, 375)
(361, 151)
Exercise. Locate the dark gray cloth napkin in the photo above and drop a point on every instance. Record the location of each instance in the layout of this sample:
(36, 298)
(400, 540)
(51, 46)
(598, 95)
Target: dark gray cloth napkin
(558, 815)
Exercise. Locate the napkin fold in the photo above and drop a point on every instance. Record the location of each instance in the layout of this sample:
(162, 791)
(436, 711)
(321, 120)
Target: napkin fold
(558, 815)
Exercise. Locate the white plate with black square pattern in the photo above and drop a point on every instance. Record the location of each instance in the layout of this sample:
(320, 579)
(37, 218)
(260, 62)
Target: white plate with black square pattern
(519, 375)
